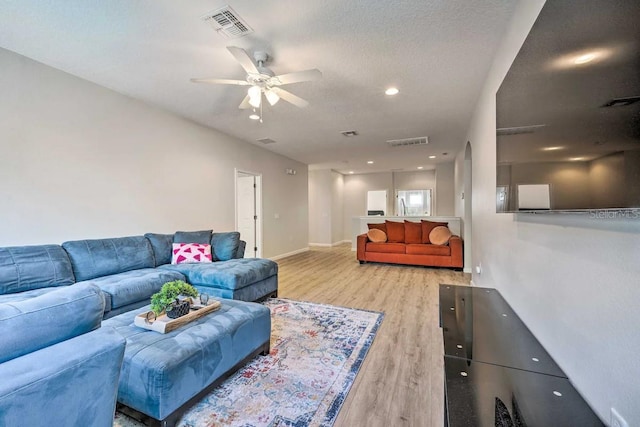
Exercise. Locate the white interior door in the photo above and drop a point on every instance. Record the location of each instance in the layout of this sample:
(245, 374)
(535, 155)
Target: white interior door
(248, 190)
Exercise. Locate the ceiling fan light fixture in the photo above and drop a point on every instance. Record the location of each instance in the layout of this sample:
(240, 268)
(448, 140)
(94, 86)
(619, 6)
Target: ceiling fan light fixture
(254, 116)
(272, 97)
(255, 96)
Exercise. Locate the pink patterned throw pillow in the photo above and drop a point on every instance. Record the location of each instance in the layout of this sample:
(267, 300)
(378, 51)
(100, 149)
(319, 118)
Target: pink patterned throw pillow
(190, 252)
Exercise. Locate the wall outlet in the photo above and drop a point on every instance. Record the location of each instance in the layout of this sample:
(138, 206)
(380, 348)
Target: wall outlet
(617, 420)
(479, 268)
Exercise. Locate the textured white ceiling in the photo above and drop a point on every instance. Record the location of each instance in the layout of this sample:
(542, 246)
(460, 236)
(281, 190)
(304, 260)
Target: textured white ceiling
(436, 52)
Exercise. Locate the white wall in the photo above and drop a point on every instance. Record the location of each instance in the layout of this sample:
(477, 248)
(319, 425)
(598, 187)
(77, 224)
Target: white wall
(81, 161)
(355, 195)
(573, 279)
(445, 188)
(326, 194)
(320, 206)
(337, 207)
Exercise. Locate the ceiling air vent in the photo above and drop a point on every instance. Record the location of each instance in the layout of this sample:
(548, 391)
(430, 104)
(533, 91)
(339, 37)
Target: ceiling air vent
(423, 140)
(349, 133)
(518, 130)
(227, 22)
(266, 141)
(622, 102)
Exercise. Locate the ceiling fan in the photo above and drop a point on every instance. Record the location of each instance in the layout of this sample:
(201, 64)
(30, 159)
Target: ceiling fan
(263, 81)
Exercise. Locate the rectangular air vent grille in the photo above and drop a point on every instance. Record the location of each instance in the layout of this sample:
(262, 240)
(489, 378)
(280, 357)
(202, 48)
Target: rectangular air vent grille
(423, 140)
(266, 141)
(227, 22)
(518, 130)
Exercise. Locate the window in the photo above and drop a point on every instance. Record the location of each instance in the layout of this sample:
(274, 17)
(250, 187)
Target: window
(413, 202)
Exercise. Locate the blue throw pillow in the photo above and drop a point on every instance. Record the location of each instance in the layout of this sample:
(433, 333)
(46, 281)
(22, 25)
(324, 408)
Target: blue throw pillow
(162, 246)
(225, 245)
(203, 237)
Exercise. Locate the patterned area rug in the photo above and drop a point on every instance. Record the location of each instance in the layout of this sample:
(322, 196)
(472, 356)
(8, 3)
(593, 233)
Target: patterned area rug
(316, 352)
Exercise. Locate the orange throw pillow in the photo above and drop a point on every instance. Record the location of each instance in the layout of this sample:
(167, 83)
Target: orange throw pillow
(378, 226)
(427, 226)
(412, 232)
(395, 231)
(440, 235)
(377, 236)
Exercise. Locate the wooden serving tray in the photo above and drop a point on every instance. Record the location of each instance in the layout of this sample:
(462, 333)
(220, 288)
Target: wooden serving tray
(165, 324)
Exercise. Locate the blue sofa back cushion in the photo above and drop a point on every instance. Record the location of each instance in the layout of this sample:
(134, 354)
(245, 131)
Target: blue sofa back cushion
(162, 246)
(224, 246)
(203, 237)
(24, 268)
(48, 319)
(103, 257)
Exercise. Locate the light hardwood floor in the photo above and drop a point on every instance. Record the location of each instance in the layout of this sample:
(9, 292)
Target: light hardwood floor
(401, 381)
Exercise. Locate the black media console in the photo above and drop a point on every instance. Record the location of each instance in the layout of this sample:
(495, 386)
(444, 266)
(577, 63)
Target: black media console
(496, 371)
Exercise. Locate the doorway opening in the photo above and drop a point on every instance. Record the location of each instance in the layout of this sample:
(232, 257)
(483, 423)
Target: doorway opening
(468, 204)
(249, 211)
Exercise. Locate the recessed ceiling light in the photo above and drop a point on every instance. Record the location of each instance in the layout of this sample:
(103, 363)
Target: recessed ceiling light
(552, 148)
(419, 167)
(370, 162)
(351, 172)
(254, 117)
(583, 59)
(576, 159)
(391, 91)
(432, 157)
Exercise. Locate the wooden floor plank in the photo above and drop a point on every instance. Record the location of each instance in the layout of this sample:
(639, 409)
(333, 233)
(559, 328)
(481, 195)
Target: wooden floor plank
(401, 381)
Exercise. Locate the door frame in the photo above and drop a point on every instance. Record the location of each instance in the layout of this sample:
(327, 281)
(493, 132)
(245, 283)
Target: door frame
(258, 206)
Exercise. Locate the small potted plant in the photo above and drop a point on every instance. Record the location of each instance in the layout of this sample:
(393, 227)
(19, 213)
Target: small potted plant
(167, 299)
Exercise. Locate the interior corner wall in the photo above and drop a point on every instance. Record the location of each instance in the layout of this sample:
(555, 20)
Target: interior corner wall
(80, 161)
(573, 279)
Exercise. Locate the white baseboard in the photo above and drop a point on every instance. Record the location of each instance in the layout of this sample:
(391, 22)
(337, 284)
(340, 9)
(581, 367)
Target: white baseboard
(467, 270)
(288, 254)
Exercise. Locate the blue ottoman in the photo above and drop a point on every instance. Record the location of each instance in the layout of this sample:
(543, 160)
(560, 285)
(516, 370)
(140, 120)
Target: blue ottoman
(164, 374)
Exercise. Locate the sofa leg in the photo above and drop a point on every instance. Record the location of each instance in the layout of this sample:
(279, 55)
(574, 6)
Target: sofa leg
(361, 262)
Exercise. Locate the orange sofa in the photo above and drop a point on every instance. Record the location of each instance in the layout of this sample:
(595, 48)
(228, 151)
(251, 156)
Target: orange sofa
(411, 247)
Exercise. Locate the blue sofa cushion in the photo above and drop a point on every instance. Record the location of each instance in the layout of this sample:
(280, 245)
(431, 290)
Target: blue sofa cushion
(21, 296)
(133, 286)
(232, 274)
(240, 252)
(70, 383)
(224, 246)
(48, 319)
(102, 257)
(23, 268)
(202, 237)
(162, 245)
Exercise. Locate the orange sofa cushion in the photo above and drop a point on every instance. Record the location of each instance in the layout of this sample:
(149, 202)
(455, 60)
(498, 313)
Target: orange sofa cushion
(440, 235)
(388, 248)
(395, 231)
(427, 226)
(412, 232)
(377, 236)
(423, 249)
(378, 226)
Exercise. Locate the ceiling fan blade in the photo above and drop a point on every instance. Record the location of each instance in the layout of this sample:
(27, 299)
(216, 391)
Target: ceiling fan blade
(289, 97)
(222, 81)
(297, 76)
(244, 59)
(245, 103)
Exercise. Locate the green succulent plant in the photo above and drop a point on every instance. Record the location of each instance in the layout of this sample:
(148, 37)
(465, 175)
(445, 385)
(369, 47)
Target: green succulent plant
(169, 293)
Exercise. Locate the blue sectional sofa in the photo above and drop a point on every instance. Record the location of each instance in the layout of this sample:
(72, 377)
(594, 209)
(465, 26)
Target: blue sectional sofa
(129, 270)
(57, 365)
(54, 356)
